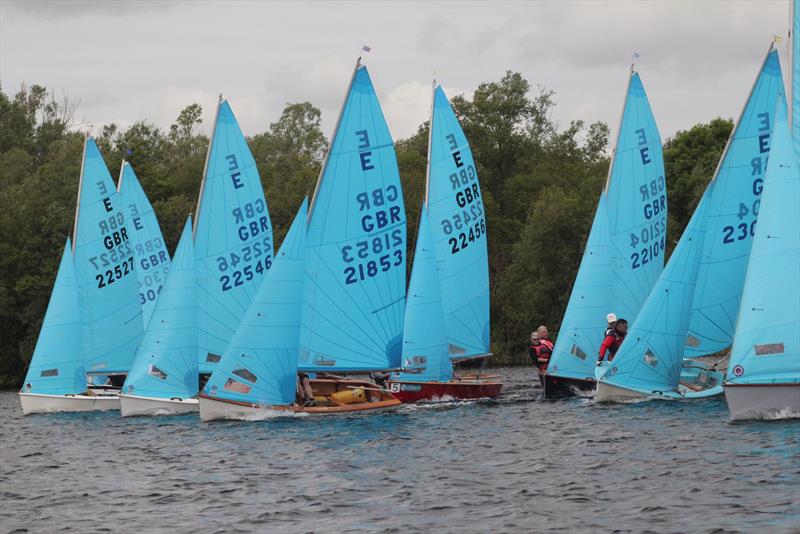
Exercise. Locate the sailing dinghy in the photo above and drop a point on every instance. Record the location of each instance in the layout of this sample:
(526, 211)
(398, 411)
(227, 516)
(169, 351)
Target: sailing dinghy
(355, 274)
(691, 309)
(763, 378)
(258, 371)
(624, 254)
(56, 381)
(232, 238)
(149, 249)
(447, 306)
(164, 377)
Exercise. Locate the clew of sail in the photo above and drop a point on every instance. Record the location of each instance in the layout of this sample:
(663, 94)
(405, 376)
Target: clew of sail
(260, 364)
(149, 250)
(111, 321)
(458, 228)
(57, 364)
(624, 253)
(733, 208)
(166, 361)
(232, 237)
(766, 346)
(425, 342)
(354, 290)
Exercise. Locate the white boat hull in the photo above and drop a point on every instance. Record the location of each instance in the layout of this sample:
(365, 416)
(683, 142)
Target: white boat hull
(132, 405)
(41, 403)
(608, 393)
(763, 401)
(211, 410)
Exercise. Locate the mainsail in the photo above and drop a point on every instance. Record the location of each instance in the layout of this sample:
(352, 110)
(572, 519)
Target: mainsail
(458, 229)
(149, 250)
(57, 364)
(624, 254)
(766, 346)
(425, 354)
(794, 87)
(354, 291)
(731, 219)
(166, 361)
(111, 321)
(232, 237)
(260, 364)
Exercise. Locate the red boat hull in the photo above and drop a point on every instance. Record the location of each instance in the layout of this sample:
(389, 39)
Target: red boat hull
(408, 391)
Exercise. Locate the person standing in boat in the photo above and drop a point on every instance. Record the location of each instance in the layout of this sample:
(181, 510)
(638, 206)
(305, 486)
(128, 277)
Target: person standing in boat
(613, 339)
(539, 351)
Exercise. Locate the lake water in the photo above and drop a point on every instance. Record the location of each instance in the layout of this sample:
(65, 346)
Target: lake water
(514, 464)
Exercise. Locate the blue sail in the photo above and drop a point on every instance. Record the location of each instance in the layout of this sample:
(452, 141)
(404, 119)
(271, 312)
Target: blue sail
(579, 337)
(795, 85)
(624, 254)
(111, 318)
(651, 357)
(731, 220)
(260, 364)
(149, 250)
(166, 361)
(354, 292)
(57, 364)
(232, 237)
(458, 229)
(766, 346)
(425, 342)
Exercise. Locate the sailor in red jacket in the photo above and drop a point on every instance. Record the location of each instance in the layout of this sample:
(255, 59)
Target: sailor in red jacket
(613, 339)
(539, 352)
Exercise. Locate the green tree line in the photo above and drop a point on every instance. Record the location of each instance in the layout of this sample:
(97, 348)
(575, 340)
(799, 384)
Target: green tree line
(540, 183)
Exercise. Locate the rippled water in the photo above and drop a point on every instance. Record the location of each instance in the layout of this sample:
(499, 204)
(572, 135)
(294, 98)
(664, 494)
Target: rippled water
(515, 464)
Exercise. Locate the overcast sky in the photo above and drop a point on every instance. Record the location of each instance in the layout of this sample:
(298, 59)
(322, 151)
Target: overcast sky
(130, 60)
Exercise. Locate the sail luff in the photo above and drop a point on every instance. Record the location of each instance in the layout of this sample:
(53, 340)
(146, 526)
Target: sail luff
(619, 130)
(205, 169)
(80, 188)
(333, 138)
(430, 140)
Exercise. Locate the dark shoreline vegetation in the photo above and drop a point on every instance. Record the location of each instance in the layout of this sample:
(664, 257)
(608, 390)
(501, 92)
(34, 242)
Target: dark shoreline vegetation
(540, 182)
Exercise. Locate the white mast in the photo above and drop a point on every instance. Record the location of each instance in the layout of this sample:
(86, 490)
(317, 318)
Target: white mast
(205, 168)
(80, 188)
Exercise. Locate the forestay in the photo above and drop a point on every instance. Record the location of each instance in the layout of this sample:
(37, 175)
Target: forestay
(766, 347)
(733, 208)
(57, 364)
(624, 254)
(260, 364)
(151, 256)
(425, 354)
(354, 291)
(458, 229)
(166, 361)
(232, 237)
(111, 318)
